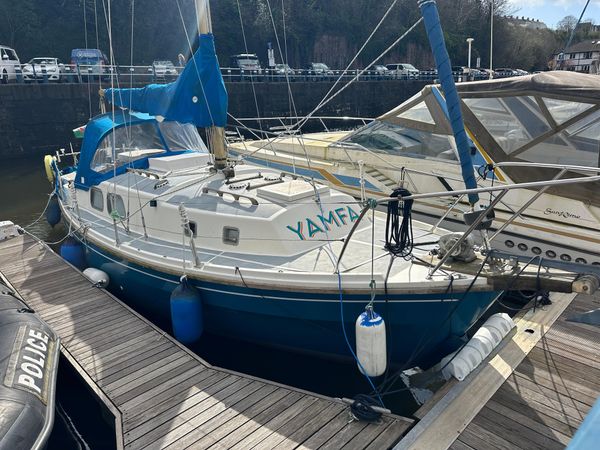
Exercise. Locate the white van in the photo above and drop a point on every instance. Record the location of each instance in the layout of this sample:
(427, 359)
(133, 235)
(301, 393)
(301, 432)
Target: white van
(8, 62)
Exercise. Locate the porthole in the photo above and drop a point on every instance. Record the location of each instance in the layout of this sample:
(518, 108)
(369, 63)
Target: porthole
(565, 257)
(551, 254)
(231, 236)
(116, 205)
(522, 247)
(509, 244)
(596, 263)
(536, 250)
(97, 199)
(581, 261)
(193, 228)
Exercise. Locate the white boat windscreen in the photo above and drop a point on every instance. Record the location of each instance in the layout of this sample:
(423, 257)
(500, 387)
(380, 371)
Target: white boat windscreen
(384, 137)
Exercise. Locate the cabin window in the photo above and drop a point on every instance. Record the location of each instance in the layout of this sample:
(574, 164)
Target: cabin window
(126, 145)
(231, 235)
(116, 205)
(512, 121)
(180, 136)
(383, 137)
(97, 199)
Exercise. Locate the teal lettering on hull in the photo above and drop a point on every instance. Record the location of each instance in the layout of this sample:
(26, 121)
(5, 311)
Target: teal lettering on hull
(325, 222)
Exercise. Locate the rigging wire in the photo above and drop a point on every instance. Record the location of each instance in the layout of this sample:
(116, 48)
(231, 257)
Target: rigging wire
(300, 123)
(388, 11)
(251, 75)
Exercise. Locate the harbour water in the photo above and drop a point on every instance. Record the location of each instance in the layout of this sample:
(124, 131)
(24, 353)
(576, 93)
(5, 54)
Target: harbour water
(78, 422)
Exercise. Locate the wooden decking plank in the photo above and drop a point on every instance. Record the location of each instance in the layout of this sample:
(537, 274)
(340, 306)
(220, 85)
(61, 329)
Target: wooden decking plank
(515, 432)
(367, 435)
(81, 345)
(93, 315)
(521, 383)
(94, 359)
(388, 438)
(151, 380)
(564, 364)
(56, 312)
(345, 435)
(195, 410)
(303, 432)
(169, 380)
(132, 365)
(585, 398)
(559, 348)
(577, 340)
(211, 431)
(533, 394)
(480, 438)
(245, 425)
(259, 431)
(333, 427)
(175, 400)
(144, 373)
(556, 378)
(510, 398)
(541, 423)
(460, 445)
(100, 330)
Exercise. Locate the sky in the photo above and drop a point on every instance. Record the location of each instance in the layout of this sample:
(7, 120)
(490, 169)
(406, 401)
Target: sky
(552, 11)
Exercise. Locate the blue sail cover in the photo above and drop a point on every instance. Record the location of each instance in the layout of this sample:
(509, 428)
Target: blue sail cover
(442, 60)
(198, 96)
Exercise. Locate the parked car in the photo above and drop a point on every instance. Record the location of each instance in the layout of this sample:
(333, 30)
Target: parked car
(246, 62)
(504, 72)
(163, 69)
(319, 69)
(38, 68)
(403, 70)
(380, 69)
(90, 61)
(521, 72)
(9, 61)
(282, 69)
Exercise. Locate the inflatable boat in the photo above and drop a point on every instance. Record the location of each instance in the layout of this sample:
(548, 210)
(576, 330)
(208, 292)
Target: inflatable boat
(28, 367)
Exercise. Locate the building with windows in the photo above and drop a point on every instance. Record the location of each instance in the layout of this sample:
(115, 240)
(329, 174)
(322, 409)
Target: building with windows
(583, 57)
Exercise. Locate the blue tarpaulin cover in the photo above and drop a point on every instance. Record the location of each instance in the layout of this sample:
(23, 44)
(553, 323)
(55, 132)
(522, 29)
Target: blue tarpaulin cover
(198, 96)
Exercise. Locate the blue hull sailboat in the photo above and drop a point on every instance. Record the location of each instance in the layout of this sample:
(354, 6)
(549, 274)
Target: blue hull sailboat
(263, 255)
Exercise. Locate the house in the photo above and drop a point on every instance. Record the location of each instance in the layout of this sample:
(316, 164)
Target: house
(583, 57)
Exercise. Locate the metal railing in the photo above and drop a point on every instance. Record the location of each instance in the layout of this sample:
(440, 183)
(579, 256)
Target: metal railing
(141, 75)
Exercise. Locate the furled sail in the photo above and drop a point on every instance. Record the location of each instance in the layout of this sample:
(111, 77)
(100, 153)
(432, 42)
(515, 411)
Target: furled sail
(198, 96)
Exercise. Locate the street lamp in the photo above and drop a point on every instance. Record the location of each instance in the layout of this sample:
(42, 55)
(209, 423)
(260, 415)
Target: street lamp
(470, 42)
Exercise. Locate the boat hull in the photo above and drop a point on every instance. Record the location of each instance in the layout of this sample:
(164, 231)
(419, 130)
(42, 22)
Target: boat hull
(421, 327)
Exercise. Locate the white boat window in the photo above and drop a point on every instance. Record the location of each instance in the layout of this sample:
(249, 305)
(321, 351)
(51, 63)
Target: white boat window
(393, 139)
(563, 110)
(97, 199)
(419, 112)
(512, 121)
(577, 149)
(116, 205)
(182, 137)
(127, 144)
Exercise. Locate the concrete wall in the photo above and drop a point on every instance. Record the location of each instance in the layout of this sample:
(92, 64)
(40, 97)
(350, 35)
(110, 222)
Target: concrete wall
(38, 118)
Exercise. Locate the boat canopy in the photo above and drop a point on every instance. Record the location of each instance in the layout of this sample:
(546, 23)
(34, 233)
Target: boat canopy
(198, 96)
(545, 118)
(114, 143)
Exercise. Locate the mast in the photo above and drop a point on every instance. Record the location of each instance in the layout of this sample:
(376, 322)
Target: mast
(216, 135)
(491, 37)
